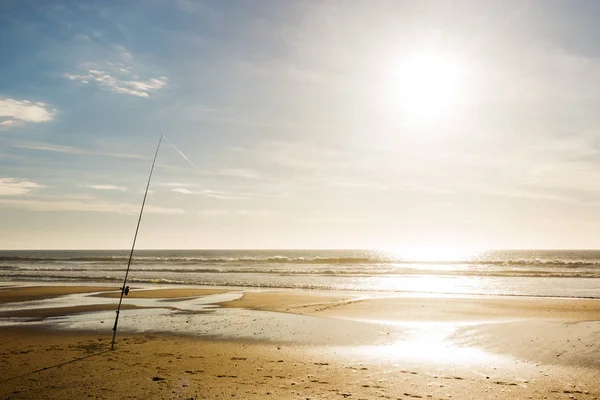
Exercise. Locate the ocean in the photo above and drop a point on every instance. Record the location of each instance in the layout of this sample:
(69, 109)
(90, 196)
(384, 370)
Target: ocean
(512, 273)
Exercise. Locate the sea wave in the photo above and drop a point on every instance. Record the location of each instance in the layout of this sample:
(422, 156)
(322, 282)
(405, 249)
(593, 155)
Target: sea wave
(10, 261)
(341, 272)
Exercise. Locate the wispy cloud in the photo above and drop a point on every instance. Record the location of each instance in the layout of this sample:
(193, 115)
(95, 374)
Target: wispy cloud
(283, 70)
(354, 184)
(15, 187)
(567, 176)
(152, 209)
(298, 155)
(175, 184)
(105, 187)
(337, 219)
(120, 84)
(183, 191)
(71, 150)
(236, 213)
(16, 112)
(240, 173)
(86, 205)
(216, 194)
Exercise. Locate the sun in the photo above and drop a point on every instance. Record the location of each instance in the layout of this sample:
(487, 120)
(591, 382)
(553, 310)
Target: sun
(425, 85)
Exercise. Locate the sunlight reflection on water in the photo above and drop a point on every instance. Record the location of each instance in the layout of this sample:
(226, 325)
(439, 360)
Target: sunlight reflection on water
(433, 342)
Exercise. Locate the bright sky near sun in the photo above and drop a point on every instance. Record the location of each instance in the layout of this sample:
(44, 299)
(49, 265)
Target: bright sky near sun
(311, 124)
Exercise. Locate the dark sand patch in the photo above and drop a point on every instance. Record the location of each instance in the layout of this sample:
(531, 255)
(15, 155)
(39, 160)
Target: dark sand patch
(41, 313)
(30, 293)
(165, 293)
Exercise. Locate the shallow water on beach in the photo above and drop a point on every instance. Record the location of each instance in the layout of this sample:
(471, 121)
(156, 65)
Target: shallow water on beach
(201, 316)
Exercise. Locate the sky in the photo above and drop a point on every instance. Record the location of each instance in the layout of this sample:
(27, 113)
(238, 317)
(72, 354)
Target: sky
(300, 124)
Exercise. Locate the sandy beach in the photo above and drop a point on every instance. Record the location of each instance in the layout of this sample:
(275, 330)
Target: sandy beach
(207, 343)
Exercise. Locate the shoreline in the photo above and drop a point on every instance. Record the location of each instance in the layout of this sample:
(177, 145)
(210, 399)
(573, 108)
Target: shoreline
(45, 302)
(279, 299)
(115, 286)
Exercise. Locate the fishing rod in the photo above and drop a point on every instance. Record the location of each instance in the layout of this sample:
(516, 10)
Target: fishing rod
(125, 288)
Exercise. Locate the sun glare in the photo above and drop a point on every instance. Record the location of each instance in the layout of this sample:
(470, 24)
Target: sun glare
(434, 253)
(426, 85)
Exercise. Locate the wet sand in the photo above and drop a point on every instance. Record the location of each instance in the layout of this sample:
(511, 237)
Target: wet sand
(31, 293)
(39, 314)
(163, 293)
(401, 348)
(289, 300)
(460, 308)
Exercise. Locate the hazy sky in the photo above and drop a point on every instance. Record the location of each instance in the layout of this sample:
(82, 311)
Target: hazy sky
(312, 124)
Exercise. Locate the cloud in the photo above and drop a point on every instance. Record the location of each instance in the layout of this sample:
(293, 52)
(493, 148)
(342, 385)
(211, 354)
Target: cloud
(82, 37)
(295, 164)
(15, 187)
(275, 69)
(160, 210)
(15, 112)
(172, 184)
(570, 177)
(332, 219)
(71, 150)
(90, 205)
(352, 184)
(240, 173)
(104, 80)
(215, 194)
(299, 155)
(236, 213)
(183, 191)
(105, 187)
